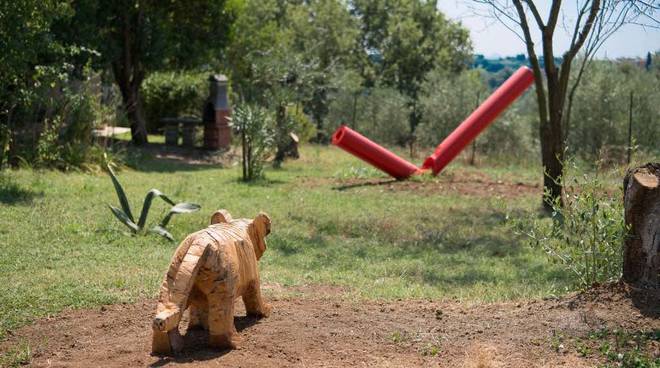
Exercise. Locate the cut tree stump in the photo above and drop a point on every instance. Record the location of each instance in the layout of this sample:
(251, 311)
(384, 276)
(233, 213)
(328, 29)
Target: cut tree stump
(641, 250)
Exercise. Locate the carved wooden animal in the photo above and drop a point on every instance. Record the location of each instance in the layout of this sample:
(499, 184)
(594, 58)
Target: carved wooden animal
(209, 270)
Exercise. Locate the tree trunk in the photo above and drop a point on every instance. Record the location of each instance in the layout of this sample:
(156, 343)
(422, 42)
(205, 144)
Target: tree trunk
(552, 158)
(641, 250)
(354, 113)
(414, 117)
(135, 114)
(282, 134)
(129, 73)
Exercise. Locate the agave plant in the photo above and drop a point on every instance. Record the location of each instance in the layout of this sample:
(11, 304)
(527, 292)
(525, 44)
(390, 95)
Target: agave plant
(125, 216)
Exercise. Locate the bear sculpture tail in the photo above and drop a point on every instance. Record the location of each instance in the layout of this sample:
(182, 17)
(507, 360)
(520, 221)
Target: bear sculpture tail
(178, 285)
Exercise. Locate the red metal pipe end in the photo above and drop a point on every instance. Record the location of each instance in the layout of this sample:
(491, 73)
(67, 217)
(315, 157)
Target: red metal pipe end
(338, 134)
(372, 153)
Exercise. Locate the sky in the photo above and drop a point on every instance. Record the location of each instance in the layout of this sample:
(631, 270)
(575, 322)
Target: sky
(492, 39)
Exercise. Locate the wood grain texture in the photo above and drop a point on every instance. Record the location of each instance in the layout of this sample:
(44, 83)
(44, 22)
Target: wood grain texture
(208, 271)
(641, 251)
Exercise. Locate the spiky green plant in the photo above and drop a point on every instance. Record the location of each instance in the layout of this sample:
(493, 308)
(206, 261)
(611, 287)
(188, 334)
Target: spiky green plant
(125, 216)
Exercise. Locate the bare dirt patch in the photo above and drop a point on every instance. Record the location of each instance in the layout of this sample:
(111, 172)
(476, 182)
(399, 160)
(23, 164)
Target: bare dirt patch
(460, 182)
(318, 327)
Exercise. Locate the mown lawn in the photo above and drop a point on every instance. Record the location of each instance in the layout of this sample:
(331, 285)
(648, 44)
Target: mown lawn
(61, 247)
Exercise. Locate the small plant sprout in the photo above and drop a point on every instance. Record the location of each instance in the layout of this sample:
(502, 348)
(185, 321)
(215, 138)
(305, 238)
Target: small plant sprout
(125, 216)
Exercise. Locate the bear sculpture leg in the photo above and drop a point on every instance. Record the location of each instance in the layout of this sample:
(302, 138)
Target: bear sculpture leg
(222, 332)
(254, 303)
(198, 310)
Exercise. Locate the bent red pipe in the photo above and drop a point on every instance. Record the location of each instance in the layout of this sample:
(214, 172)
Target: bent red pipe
(369, 151)
(497, 102)
(360, 146)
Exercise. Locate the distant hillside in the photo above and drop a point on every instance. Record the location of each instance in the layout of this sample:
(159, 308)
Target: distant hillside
(497, 70)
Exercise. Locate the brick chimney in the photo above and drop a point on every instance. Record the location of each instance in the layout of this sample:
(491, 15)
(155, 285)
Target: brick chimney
(217, 113)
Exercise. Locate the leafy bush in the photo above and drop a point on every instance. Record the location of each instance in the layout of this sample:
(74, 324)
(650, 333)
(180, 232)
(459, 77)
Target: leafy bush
(585, 235)
(125, 216)
(172, 94)
(52, 125)
(255, 128)
(301, 124)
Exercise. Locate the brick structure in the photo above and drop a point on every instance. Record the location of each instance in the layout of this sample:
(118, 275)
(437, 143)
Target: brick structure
(217, 112)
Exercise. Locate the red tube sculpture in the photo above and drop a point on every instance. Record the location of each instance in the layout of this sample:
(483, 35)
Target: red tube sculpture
(360, 146)
(479, 119)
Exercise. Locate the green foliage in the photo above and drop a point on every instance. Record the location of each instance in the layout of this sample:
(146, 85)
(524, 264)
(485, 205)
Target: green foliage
(18, 356)
(301, 124)
(41, 94)
(621, 348)
(601, 107)
(125, 216)
(173, 94)
(25, 41)
(267, 70)
(380, 113)
(135, 38)
(325, 35)
(52, 126)
(258, 138)
(585, 235)
(447, 99)
(407, 40)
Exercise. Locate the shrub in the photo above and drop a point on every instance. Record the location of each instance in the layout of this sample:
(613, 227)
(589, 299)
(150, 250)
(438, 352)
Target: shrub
(172, 94)
(52, 126)
(585, 235)
(301, 124)
(255, 128)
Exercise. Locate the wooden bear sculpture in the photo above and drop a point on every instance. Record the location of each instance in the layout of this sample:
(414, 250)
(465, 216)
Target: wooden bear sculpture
(209, 270)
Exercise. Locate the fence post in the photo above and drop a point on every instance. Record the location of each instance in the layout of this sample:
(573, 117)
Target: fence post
(630, 116)
(474, 142)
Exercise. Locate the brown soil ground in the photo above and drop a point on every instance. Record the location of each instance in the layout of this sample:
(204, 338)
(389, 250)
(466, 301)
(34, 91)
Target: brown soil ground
(319, 327)
(460, 183)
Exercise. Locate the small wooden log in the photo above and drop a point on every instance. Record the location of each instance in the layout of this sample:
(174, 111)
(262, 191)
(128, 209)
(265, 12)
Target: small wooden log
(166, 343)
(291, 150)
(160, 343)
(641, 251)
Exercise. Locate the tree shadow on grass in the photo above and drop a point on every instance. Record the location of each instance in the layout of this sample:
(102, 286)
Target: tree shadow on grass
(259, 182)
(158, 157)
(196, 346)
(11, 193)
(370, 183)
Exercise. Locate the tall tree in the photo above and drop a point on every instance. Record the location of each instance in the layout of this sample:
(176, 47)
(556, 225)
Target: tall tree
(405, 40)
(595, 21)
(136, 37)
(324, 34)
(288, 51)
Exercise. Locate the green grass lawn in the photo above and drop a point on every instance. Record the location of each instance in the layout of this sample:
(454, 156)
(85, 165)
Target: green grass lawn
(61, 246)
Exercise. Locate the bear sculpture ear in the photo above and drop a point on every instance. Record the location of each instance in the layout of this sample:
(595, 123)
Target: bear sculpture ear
(262, 223)
(221, 216)
(258, 229)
